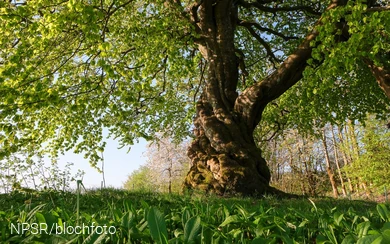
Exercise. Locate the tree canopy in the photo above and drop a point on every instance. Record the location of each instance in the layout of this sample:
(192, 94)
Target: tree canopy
(69, 69)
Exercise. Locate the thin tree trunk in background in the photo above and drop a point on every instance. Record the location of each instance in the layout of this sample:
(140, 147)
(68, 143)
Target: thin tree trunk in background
(356, 153)
(301, 150)
(354, 149)
(328, 167)
(273, 164)
(354, 142)
(310, 180)
(345, 156)
(336, 159)
(170, 180)
(296, 170)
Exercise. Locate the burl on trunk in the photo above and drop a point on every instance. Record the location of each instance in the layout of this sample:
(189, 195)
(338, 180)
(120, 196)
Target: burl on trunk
(224, 158)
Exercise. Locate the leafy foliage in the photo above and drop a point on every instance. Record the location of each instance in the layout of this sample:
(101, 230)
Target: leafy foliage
(68, 69)
(139, 180)
(373, 165)
(338, 84)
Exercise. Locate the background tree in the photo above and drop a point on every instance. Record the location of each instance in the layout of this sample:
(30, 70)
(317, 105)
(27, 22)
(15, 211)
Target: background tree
(140, 179)
(165, 169)
(21, 173)
(301, 163)
(372, 167)
(70, 68)
(356, 154)
(168, 163)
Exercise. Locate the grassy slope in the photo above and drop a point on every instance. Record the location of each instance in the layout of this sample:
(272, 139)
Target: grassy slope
(221, 220)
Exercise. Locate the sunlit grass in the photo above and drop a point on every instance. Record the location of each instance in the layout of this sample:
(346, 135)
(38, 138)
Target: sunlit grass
(145, 217)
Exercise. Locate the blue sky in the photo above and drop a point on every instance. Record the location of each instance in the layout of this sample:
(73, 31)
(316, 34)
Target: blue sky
(118, 164)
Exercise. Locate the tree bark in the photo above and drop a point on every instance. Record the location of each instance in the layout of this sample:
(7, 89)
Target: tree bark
(382, 75)
(225, 162)
(224, 156)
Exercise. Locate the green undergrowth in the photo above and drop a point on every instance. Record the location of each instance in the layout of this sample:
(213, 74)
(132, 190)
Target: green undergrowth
(116, 216)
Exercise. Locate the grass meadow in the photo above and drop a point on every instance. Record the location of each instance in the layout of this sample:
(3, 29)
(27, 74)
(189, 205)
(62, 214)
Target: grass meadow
(119, 216)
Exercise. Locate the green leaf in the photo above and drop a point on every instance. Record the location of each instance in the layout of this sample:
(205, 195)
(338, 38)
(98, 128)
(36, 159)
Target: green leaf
(386, 236)
(349, 239)
(386, 226)
(338, 218)
(34, 211)
(206, 235)
(260, 240)
(186, 215)
(156, 224)
(368, 239)
(192, 229)
(330, 234)
(95, 237)
(52, 220)
(363, 228)
(320, 239)
(40, 218)
(127, 220)
(231, 219)
(383, 212)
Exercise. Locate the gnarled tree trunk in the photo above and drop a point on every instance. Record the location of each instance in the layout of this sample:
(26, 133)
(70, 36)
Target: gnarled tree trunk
(224, 156)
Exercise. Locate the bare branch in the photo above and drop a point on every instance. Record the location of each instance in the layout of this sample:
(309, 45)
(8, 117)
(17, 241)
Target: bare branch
(245, 23)
(202, 70)
(267, 47)
(260, 5)
(378, 9)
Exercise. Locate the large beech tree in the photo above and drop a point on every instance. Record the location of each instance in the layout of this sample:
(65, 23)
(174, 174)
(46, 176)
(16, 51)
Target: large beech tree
(71, 68)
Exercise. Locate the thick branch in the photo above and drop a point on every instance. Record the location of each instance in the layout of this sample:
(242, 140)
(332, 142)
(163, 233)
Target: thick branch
(251, 103)
(381, 74)
(253, 100)
(378, 9)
